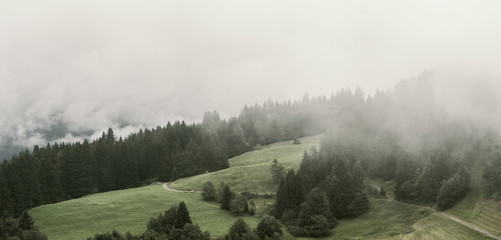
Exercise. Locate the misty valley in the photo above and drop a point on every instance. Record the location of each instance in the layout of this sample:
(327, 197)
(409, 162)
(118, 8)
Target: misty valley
(398, 164)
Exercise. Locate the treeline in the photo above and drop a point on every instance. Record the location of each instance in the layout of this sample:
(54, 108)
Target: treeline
(62, 171)
(176, 223)
(329, 185)
(19, 229)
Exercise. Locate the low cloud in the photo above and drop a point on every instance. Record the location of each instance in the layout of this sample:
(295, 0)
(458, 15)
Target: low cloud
(87, 66)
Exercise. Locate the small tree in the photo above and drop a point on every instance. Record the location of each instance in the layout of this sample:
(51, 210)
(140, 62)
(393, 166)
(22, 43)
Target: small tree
(240, 230)
(269, 228)
(182, 216)
(239, 205)
(209, 192)
(25, 221)
(220, 191)
(226, 198)
(277, 171)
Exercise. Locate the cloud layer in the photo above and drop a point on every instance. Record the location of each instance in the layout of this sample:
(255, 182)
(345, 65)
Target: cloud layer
(89, 65)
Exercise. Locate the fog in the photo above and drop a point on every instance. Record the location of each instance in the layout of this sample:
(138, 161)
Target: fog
(84, 66)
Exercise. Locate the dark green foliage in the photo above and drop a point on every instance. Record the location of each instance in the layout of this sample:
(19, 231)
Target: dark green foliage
(239, 205)
(175, 223)
(174, 218)
(290, 194)
(226, 198)
(491, 181)
(277, 171)
(240, 230)
(164, 223)
(25, 221)
(33, 235)
(382, 192)
(64, 171)
(182, 215)
(115, 235)
(220, 191)
(5, 200)
(9, 227)
(269, 228)
(315, 217)
(453, 189)
(209, 192)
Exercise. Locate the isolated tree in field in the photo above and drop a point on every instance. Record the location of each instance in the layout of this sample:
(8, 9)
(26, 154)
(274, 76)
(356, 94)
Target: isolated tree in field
(277, 171)
(209, 192)
(226, 198)
(269, 228)
(183, 216)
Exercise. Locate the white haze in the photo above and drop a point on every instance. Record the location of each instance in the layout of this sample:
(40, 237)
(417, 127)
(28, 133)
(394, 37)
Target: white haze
(97, 64)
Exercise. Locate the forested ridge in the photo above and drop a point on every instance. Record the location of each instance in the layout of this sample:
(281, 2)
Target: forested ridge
(401, 135)
(62, 171)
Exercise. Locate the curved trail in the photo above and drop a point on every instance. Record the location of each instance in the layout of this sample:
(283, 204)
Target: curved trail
(455, 219)
(166, 187)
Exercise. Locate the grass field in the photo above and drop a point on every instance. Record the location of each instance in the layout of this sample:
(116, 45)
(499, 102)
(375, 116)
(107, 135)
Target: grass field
(126, 210)
(250, 171)
(130, 210)
(438, 227)
(474, 209)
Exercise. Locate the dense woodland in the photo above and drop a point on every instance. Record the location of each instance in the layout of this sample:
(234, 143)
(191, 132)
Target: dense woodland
(62, 171)
(401, 135)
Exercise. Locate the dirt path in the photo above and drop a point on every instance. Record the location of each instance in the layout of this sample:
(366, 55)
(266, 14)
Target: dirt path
(455, 219)
(166, 187)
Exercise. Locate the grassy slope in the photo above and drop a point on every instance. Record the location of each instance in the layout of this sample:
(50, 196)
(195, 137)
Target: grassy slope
(126, 210)
(129, 210)
(438, 227)
(250, 171)
(486, 214)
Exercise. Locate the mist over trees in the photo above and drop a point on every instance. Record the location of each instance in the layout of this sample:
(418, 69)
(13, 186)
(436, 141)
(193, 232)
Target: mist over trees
(404, 134)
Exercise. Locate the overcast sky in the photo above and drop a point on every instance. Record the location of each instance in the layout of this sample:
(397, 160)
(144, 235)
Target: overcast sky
(91, 64)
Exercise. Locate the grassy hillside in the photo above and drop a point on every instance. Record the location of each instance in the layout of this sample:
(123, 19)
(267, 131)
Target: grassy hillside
(438, 227)
(250, 171)
(476, 210)
(126, 210)
(130, 210)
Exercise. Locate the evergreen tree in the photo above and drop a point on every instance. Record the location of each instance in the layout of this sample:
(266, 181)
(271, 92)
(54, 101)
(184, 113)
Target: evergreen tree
(209, 192)
(25, 221)
(269, 228)
(239, 205)
(5, 201)
(226, 198)
(182, 216)
(277, 171)
(316, 204)
(240, 230)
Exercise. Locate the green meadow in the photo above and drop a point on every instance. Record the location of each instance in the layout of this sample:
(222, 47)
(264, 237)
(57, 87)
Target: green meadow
(130, 209)
(250, 171)
(126, 210)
